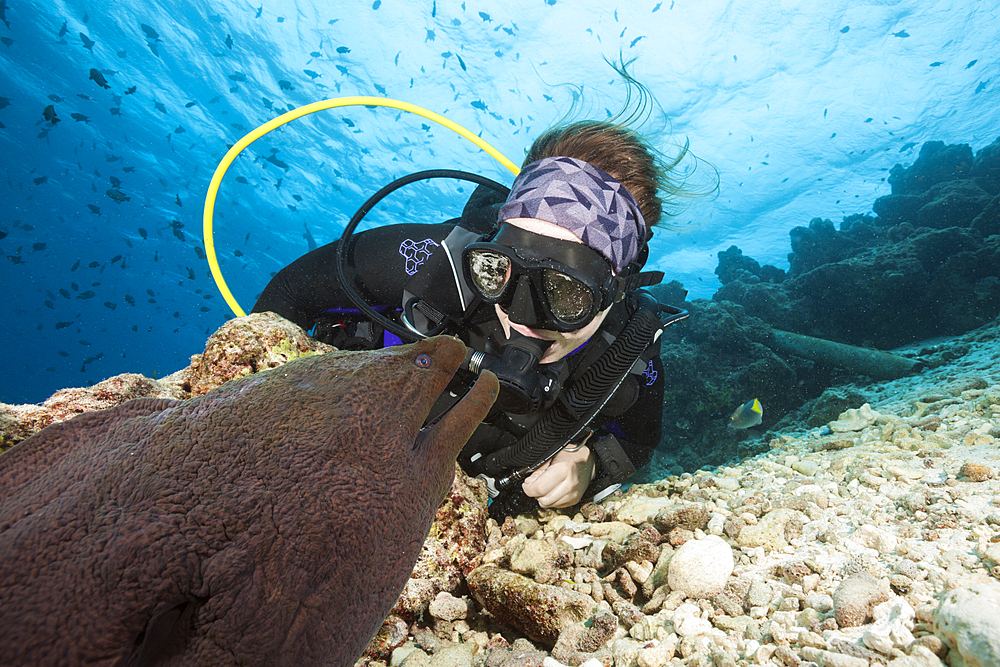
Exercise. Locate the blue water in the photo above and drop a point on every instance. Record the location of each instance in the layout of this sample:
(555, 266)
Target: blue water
(801, 110)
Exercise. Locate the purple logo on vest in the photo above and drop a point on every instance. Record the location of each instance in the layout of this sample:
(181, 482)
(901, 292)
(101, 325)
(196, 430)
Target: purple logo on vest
(650, 374)
(416, 253)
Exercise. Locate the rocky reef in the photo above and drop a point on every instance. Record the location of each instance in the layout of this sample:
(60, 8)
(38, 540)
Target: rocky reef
(871, 537)
(239, 347)
(926, 265)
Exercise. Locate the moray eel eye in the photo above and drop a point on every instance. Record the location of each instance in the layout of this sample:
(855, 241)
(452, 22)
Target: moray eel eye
(423, 361)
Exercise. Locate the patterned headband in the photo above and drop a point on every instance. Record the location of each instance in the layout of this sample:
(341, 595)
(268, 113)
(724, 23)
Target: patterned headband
(579, 197)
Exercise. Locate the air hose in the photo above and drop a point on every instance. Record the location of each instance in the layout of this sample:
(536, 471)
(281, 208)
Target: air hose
(569, 415)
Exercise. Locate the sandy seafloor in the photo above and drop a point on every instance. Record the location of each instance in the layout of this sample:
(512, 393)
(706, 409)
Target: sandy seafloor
(909, 493)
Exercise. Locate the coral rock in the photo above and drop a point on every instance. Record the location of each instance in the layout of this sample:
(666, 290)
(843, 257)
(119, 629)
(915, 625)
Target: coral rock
(687, 517)
(452, 548)
(975, 472)
(249, 344)
(539, 611)
(966, 620)
(702, 567)
(769, 531)
(855, 599)
(580, 641)
(855, 420)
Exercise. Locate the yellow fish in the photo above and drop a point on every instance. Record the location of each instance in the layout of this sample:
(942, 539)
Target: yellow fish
(747, 415)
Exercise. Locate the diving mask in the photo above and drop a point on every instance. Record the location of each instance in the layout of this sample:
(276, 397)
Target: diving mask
(539, 281)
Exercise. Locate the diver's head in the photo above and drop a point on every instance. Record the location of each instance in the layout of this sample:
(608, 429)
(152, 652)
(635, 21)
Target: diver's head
(569, 234)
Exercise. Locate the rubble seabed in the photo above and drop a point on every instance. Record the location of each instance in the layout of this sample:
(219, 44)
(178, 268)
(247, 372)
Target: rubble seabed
(874, 540)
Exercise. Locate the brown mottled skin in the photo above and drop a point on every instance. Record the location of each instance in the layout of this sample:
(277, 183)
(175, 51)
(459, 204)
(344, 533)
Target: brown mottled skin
(272, 521)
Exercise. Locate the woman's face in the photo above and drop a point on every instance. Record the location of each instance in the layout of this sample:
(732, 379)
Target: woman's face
(564, 341)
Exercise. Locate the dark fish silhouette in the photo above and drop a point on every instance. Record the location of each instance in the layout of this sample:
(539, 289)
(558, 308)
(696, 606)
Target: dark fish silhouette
(129, 91)
(79, 117)
(340, 49)
(49, 114)
(117, 195)
(115, 181)
(63, 30)
(229, 42)
(129, 299)
(88, 43)
(4, 101)
(55, 98)
(98, 78)
(3, 13)
(159, 107)
(901, 34)
(284, 85)
(273, 159)
(94, 209)
(204, 537)
(150, 33)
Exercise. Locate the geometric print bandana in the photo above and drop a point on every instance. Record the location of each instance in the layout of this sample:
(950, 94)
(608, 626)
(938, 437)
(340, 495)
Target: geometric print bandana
(579, 197)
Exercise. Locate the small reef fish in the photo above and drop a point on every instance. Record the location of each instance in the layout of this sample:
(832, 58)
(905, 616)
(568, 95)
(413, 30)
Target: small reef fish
(98, 78)
(49, 114)
(747, 415)
(117, 195)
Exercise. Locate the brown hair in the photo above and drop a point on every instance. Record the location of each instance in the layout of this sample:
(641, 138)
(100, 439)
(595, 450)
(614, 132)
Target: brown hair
(614, 146)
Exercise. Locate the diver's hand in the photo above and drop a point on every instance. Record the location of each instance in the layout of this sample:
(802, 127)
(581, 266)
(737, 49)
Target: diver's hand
(562, 480)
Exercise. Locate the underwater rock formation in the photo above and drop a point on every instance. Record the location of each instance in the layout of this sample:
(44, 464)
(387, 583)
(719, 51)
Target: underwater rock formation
(927, 265)
(238, 348)
(245, 526)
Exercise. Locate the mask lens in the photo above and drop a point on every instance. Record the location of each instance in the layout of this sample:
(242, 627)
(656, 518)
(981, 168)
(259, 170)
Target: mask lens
(490, 271)
(569, 299)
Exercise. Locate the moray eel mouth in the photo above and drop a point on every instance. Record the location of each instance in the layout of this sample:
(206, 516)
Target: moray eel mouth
(452, 428)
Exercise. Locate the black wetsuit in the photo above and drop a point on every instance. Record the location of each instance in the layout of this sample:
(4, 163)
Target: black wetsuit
(386, 263)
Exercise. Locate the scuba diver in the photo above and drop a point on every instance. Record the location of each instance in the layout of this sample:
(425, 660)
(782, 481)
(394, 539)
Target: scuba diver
(543, 286)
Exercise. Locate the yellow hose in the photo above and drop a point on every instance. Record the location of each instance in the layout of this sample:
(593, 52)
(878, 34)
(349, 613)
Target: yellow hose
(254, 135)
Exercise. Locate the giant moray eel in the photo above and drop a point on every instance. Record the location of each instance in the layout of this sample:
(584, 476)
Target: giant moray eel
(272, 521)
